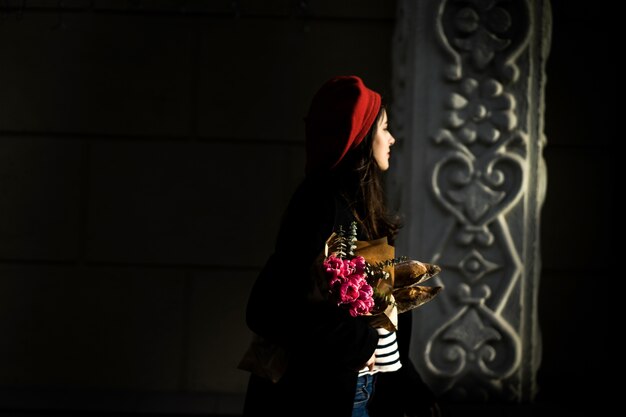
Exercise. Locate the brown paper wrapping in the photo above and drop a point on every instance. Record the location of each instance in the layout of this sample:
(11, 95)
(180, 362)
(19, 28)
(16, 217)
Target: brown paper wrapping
(269, 361)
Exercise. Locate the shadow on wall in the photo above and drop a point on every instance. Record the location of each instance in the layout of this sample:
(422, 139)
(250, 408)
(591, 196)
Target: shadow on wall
(146, 155)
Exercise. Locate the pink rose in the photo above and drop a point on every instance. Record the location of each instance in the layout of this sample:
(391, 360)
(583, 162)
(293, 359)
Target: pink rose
(349, 291)
(348, 284)
(358, 263)
(361, 306)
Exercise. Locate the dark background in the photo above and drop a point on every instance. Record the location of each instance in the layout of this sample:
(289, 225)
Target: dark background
(148, 148)
(577, 247)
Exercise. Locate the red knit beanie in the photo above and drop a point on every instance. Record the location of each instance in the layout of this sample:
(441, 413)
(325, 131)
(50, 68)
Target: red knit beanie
(341, 113)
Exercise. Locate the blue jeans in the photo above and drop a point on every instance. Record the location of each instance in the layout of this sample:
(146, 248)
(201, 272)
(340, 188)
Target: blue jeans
(364, 391)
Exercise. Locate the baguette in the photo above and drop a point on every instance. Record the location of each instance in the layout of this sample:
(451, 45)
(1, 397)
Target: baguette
(413, 297)
(410, 273)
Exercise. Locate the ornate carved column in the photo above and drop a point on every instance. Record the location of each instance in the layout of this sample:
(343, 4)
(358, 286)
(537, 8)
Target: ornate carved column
(469, 176)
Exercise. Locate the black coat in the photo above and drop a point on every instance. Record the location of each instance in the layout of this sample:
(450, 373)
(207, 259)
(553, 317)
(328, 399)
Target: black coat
(326, 346)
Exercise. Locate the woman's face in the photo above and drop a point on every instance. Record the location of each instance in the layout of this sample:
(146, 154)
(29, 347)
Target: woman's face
(382, 142)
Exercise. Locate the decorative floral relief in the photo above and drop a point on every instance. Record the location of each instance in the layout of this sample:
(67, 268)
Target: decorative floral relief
(483, 33)
(474, 266)
(475, 341)
(481, 25)
(479, 176)
(477, 199)
(477, 190)
(481, 111)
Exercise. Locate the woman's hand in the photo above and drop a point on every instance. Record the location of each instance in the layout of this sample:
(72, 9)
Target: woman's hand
(371, 361)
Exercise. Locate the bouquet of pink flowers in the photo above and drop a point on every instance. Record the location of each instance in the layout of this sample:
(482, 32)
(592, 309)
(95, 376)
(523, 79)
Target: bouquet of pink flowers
(360, 276)
(365, 278)
(348, 284)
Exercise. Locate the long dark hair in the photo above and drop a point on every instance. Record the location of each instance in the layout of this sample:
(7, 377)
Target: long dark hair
(360, 183)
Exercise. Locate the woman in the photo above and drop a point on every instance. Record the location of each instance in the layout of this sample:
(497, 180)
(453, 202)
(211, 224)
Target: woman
(328, 352)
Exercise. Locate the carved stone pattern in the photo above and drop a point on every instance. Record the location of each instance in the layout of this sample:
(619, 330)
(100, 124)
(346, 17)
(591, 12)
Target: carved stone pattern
(483, 33)
(478, 180)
